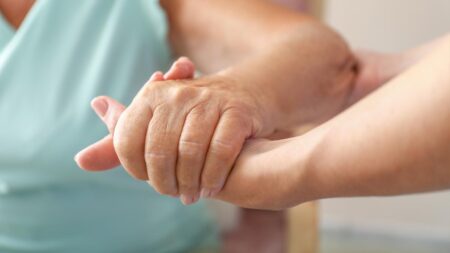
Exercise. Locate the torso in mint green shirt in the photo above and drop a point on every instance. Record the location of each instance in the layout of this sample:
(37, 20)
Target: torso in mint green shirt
(65, 53)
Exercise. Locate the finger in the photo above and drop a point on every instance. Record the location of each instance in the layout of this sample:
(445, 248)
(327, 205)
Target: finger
(101, 155)
(108, 110)
(98, 156)
(157, 76)
(192, 148)
(161, 149)
(129, 138)
(227, 142)
(183, 68)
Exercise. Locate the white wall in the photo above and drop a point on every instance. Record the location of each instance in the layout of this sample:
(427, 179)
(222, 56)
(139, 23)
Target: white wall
(390, 25)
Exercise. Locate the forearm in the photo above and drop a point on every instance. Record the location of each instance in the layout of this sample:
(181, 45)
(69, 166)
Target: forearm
(306, 77)
(217, 34)
(412, 56)
(395, 141)
(376, 68)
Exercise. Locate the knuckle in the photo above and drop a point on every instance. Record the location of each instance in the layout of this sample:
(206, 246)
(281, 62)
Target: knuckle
(198, 111)
(153, 156)
(223, 149)
(179, 94)
(150, 90)
(191, 149)
(206, 94)
(158, 163)
(123, 148)
(239, 116)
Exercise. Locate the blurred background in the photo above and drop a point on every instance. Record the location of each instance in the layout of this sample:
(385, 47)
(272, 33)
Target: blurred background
(419, 223)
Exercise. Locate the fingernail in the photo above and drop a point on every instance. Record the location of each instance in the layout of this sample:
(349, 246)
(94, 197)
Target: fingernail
(204, 193)
(75, 158)
(175, 195)
(195, 199)
(100, 107)
(186, 200)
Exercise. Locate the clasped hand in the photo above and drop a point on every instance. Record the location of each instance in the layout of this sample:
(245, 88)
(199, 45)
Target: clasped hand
(182, 136)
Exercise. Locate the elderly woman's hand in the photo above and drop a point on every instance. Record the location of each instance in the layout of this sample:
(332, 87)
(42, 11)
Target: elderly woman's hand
(184, 136)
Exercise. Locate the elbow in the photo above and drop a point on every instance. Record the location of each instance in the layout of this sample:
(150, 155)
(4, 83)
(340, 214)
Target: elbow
(336, 72)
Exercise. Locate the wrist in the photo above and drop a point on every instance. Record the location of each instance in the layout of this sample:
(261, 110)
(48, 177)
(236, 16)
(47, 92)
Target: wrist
(312, 180)
(263, 101)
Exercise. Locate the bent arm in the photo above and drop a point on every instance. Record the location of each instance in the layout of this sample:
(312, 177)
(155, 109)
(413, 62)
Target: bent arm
(300, 66)
(395, 141)
(217, 34)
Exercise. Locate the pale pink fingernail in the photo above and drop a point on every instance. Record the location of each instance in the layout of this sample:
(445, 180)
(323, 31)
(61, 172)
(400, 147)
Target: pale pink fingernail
(214, 192)
(204, 193)
(100, 107)
(76, 157)
(195, 199)
(186, 200)
(175, 195)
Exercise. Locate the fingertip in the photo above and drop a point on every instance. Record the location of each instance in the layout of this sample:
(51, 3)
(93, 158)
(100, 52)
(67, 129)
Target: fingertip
(181, 69)
(187, 63)
(98, 156)
(76, 158)
(188, 200)
(183, 58)
(157, 76)
(83, 160)
(100, 106)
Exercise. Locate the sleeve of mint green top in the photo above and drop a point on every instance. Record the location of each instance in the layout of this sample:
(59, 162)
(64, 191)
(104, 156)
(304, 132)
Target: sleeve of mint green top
(64, 54)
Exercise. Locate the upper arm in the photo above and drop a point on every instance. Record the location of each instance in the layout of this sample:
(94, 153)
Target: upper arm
(216, 34)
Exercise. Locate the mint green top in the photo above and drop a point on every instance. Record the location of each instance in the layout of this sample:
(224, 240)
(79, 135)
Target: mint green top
(64, 54)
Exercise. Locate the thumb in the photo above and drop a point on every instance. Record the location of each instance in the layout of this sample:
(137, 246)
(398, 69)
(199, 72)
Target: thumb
(183, 68)
(98, 156)
(108, 110)
(102, 155)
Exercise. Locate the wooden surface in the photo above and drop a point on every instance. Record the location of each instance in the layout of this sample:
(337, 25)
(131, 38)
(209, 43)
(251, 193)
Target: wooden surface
(303, 229)
(303, 220)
